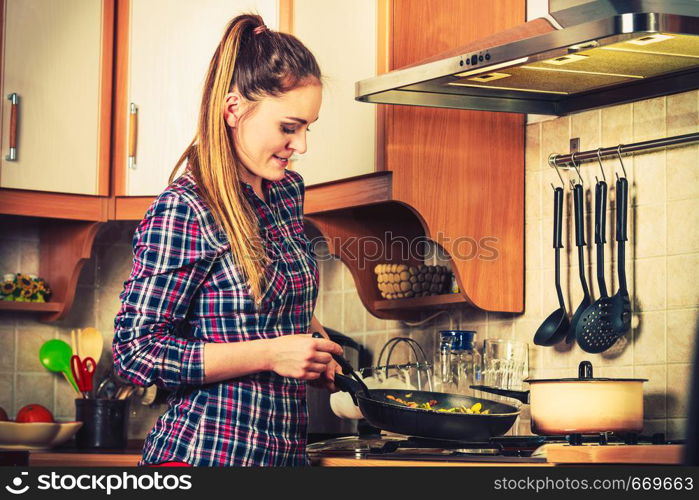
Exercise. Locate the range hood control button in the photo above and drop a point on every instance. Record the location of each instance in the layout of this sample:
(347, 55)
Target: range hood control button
(474, 59)
(480, 58)
(487, 57)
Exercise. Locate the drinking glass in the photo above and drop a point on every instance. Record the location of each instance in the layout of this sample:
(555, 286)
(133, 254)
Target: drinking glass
(505, 363)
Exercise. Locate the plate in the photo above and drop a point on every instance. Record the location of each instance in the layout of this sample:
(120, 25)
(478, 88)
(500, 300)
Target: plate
(36, 435)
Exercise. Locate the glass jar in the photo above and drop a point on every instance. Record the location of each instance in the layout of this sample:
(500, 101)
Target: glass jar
(445, 379)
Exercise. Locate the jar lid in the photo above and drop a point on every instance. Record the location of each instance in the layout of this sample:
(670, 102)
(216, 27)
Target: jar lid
(463, 339)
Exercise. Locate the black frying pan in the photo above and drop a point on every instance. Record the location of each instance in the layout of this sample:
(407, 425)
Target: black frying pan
(385, 414)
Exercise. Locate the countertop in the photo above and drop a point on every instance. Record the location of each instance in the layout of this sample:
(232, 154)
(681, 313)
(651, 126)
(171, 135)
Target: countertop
(556, 454)
(69, 456)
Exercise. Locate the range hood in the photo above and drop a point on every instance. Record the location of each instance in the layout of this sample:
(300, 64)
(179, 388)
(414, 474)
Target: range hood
(601, 53)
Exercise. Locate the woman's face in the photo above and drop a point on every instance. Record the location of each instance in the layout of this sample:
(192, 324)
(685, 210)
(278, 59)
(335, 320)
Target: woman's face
(268, 133)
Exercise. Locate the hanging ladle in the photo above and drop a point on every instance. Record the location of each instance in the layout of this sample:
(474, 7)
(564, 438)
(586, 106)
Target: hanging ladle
(580, 243)
(555, 327)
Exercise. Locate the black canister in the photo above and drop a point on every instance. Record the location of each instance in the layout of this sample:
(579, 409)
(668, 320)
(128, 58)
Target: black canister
(105, 423)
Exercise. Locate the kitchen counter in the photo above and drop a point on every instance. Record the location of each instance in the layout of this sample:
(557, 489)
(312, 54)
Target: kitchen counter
(556, 455)
(550, 455)
(73, 457)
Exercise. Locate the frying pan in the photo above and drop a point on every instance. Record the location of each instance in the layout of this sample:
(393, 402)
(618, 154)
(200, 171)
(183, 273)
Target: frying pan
(385, 414)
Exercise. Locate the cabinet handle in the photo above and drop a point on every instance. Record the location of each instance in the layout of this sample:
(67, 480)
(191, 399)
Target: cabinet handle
(133, 133)
(14, 100)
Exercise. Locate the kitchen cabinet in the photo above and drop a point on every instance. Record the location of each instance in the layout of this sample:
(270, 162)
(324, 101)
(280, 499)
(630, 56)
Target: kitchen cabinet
(57, 62)
(453, 176)
(343, 38)
(158, 66)
(161, 67)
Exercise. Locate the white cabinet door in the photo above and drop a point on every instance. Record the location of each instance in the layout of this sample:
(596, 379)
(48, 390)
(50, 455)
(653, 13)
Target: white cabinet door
(170, 47)
(52, 60)
(342, 36)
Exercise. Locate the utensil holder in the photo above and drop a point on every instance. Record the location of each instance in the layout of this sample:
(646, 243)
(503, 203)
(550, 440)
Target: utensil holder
(105, 423)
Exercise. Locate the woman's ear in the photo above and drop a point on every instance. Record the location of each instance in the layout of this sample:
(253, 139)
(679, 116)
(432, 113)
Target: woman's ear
(232, 108)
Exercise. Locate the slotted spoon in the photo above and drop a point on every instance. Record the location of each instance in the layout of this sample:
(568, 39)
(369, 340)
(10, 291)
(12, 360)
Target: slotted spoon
(608, 318)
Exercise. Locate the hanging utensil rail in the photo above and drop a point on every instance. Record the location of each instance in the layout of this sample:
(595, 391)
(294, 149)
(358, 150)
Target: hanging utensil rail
(566, 160)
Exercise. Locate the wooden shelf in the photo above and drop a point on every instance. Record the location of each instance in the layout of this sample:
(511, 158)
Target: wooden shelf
(417, 303)
(352, 192)
(7, 305)
(64, 246)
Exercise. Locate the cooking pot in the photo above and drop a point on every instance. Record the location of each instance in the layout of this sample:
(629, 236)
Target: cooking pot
(582, 405)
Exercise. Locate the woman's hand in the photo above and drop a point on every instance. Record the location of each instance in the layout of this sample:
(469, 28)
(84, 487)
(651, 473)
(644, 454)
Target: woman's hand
(327, 380)
(302, 357)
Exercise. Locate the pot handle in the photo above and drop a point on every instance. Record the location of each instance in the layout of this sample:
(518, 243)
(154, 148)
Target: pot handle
(585, 370)
(522, 396)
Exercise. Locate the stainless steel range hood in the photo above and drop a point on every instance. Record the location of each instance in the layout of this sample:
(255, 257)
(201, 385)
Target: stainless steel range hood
(608, 52)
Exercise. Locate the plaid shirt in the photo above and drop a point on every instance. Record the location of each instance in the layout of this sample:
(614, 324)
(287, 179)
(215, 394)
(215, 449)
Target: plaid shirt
(185, 290)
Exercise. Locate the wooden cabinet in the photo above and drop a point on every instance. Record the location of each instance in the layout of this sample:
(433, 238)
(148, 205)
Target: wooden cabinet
(343, 37)
(453, 176)
(164, 50)
(57, 61)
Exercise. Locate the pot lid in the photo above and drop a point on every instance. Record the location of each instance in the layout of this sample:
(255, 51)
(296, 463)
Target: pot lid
(585, 375)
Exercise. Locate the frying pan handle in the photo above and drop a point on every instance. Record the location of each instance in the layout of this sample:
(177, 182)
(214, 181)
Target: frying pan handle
(579, 222)
(346, 370)
(522, 396)
(557, 217)
(348, 384)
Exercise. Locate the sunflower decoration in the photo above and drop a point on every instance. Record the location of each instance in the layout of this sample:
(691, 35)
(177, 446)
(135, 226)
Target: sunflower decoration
(24, 288)
(7, 290)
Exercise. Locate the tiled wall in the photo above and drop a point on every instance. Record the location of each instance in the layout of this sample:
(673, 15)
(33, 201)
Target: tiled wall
(662, 266)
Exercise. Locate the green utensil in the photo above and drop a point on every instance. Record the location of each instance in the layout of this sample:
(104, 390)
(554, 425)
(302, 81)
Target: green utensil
(55, 356)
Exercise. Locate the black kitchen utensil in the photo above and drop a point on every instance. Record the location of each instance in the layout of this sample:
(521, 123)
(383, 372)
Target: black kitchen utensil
(601, 233)
(555, 327)
(580, 243)
(387, 414)
(608, 318)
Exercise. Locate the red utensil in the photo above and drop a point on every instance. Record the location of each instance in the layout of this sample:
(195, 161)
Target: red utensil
(83, 372)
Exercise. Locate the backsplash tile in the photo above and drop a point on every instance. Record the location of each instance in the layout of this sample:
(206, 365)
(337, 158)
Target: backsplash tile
(683, 227)
(30, 338)
(681, 336)
(682, 174)
(7, 348)
(35, 388)
(617, 125)
(682, 279)
(7, 393)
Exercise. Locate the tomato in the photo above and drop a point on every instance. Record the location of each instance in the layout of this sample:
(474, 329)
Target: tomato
(34, 413)
(3, 415)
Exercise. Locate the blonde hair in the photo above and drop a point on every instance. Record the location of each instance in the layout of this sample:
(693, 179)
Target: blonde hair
(257, 62)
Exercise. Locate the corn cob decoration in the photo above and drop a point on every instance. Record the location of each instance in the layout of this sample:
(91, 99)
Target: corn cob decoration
(398, 281)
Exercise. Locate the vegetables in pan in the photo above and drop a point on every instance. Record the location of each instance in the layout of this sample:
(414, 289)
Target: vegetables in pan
(476, 409)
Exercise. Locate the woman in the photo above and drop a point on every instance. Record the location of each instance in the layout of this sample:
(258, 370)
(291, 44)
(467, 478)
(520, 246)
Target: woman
(223, 280)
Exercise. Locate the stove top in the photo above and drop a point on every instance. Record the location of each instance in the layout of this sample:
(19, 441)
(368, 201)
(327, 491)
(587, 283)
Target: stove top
(520, 449)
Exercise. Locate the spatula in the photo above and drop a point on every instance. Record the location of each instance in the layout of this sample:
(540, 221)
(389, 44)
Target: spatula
(90, 343)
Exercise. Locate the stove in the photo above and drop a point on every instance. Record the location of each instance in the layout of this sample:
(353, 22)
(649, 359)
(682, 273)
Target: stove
(503, 449)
